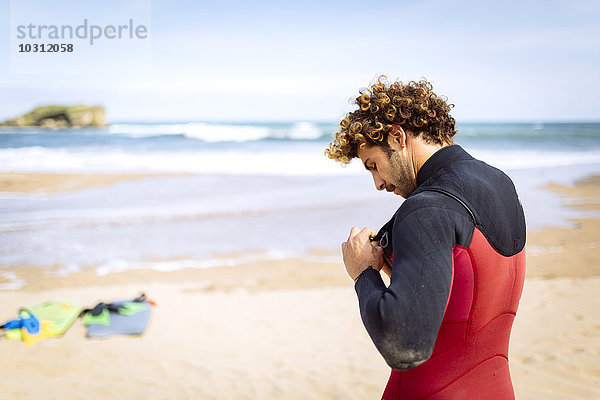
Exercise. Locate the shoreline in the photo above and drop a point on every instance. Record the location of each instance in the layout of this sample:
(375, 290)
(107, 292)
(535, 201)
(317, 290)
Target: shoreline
(551, 252)
(264, 275)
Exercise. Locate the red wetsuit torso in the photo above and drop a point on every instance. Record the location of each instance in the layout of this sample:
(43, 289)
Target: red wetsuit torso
(470, 357)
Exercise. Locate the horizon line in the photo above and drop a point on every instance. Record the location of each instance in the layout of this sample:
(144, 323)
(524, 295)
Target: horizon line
(332, 122)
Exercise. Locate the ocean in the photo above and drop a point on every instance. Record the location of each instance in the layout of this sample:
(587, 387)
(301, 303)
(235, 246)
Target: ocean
(240, 192)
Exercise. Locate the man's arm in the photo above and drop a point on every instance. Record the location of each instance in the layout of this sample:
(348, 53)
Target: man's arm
(403, 320)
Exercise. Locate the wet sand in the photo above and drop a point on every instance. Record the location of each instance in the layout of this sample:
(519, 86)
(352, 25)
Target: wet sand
(555, 252)
(23, 182)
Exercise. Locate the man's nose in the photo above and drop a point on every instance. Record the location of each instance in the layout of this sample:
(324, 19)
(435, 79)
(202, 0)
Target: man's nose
(379, 183)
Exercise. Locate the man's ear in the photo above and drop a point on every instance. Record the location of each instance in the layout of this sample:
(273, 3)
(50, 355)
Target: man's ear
(397, 138)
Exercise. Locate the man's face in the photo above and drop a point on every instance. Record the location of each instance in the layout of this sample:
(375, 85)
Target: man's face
(392, 170)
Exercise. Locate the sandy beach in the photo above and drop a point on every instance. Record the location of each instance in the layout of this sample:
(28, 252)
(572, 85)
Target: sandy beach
(288, 329)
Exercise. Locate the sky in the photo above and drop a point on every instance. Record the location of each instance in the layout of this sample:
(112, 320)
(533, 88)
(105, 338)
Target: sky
(283, 61)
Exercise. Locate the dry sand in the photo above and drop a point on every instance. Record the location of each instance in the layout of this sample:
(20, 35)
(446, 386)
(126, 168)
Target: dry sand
(291, 330)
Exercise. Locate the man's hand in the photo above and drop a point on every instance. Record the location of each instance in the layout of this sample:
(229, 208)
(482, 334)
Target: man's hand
(359, 252)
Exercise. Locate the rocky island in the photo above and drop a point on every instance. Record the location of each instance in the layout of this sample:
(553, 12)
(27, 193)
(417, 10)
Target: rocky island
(56, 116)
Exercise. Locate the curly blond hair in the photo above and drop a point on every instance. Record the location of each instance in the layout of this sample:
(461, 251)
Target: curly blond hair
(383, 109)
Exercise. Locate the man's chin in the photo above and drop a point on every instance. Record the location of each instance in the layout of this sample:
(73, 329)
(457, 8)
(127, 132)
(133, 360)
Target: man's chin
(399, 193)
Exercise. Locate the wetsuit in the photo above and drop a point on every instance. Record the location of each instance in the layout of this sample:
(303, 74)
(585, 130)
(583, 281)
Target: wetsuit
(457, 250)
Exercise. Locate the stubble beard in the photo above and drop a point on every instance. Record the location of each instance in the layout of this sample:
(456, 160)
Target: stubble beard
(402, 174)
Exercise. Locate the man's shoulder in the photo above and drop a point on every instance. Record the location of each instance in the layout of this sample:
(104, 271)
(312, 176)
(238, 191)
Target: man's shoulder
(490, 196)
(432, 217)
(429, 202)
(422, 199)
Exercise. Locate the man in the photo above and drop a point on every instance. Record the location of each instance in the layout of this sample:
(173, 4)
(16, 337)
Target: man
(455, 249)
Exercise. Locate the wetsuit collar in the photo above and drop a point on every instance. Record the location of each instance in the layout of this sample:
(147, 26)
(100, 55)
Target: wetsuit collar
(440, 158)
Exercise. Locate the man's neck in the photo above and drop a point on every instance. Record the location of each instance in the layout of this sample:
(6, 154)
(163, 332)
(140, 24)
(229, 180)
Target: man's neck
(422, 152)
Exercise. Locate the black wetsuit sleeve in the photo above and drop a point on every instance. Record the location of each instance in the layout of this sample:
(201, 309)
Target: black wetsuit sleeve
(403, 319)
